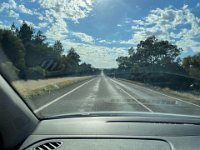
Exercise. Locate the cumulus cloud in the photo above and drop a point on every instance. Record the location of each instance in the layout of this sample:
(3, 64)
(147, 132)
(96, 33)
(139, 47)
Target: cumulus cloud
(98, 56)
(119, 25)
(29, 23)
(43, 24)
(11, 4)
(104, 41)
(25, 10)
(13, 14)
(54, 15)
(84, 37)
(58, 30)
(176, 25)
(58, 11)
(198, 5)
(3, 26)
(68, 9)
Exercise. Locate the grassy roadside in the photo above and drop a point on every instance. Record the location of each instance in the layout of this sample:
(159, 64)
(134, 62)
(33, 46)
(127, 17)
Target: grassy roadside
(30, 88)
(188, 95)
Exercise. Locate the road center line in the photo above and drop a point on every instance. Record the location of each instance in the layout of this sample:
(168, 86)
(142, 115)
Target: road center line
(133, 97)
(60, 97)
(166, 95)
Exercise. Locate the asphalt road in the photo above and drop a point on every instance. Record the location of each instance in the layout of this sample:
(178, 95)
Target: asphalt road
(108, 94)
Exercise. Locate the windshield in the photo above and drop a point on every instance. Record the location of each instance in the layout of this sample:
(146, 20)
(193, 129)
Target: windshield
(80, 56)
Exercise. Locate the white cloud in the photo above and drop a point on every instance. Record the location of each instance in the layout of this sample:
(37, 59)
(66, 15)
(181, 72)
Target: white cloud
(25, 10)
(119, 25)
(11, 4)
(98, 56)
(198, 5)
(176, 25)
(68, 9)
(3, 26)
(43, 25)
(29, 23)
(54, 15)
(13, 14)
(58, 30)
(58, 11)
(185, 6)
(84, 37)
(127, 20)
(138, 22)
(104, 41)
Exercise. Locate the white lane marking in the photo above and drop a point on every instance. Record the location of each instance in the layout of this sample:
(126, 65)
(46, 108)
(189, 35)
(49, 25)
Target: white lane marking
(96, 87)
(133, 97)
(166, 95)
(60, 97)
(115, 96)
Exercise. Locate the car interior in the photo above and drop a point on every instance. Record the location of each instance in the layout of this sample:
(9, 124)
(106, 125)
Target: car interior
(21, 129)
(99, 75)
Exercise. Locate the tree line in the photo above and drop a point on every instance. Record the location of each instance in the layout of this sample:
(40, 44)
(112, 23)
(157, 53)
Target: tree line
(30, 56)
(157, 62)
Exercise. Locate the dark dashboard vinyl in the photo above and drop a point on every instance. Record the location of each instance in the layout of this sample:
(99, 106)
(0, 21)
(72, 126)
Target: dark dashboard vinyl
(101, 133)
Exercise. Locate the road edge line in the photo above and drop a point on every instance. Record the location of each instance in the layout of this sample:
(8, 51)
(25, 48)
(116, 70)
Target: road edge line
(133, 97)
(164, 94)
(60, 97)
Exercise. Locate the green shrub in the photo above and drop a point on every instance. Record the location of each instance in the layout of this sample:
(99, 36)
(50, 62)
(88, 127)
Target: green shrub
(36, 73)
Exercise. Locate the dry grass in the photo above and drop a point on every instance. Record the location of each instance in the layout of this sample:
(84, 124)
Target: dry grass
(32, 88)
(188, 95)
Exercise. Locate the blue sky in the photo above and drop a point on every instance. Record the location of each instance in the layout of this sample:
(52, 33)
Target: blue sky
(102, 30)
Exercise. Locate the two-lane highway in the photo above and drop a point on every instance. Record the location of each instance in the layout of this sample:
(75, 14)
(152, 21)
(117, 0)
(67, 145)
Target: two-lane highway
(107, 94)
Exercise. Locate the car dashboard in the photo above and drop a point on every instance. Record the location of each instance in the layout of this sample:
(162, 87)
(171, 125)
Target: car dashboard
(113, 133)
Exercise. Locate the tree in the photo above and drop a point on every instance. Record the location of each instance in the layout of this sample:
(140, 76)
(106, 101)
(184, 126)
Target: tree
(58, 47)
(151, 54)
(13, 27)
(34, 58)
(85, 69)
(71, 61)
(192, 65)
(25, 32)
(152, 51)
(124, 63)
(13, 48)
(36, 54)
(73, 57)
(39, 38)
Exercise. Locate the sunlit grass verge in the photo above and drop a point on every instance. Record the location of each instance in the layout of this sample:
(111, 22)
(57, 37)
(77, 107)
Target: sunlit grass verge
(186, 95)
(30, 88)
